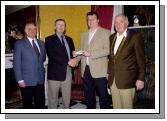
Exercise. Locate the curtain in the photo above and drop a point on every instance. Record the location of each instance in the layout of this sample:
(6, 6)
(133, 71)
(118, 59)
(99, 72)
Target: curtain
(105, 13)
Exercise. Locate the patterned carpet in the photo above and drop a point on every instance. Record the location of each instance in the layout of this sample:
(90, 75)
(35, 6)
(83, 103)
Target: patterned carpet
(77, 104)
(74, 104)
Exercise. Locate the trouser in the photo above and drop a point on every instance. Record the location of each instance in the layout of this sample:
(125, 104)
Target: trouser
(33, 92)
(92, 85)
(122, 98)
(53, 91)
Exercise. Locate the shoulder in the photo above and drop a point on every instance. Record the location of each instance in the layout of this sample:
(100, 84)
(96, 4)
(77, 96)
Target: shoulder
(20, 41)
(68, 37)
(112, 36)
(40, 41)
(50, 37)
(134, 33)
(135, 36)
(103, 30)
(83, 34)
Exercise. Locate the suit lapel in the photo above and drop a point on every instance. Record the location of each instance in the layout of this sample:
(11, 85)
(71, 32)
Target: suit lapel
(86, 45)
(58, 40)
(113, 44)
(120, 47)
(94, 37)
(28, 44)
(40, 47)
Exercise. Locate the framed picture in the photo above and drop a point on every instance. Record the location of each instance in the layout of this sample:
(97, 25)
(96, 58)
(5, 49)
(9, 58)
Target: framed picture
(15, 19)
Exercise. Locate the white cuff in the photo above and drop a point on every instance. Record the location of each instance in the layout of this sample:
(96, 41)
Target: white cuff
(20, 81)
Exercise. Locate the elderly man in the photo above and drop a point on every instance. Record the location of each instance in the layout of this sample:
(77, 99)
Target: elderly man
(126, 63)
(29, 57)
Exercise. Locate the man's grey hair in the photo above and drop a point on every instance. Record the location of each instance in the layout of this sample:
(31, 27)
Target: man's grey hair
(125, 17)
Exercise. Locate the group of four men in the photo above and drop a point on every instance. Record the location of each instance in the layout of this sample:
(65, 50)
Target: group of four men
(116, 61)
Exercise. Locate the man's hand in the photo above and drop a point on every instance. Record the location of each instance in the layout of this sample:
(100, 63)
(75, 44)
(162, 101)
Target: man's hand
(139, 85)
(77, 53)
(87, 53)
(22, 84)
(72, 62)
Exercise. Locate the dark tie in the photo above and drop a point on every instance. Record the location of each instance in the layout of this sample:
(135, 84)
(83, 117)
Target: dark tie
(35, 48)
(62, 40)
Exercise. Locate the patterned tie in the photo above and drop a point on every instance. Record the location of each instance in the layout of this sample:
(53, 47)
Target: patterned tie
(35, 48)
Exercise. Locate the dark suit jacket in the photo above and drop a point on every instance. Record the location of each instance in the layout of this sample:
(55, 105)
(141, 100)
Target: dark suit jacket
(26, 65)
(57, 57)
(128, 65)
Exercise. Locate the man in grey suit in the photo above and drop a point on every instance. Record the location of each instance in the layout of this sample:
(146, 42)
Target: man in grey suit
(29, 56)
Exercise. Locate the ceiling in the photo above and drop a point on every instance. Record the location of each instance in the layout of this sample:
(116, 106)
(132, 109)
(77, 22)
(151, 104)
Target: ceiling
(13, 8)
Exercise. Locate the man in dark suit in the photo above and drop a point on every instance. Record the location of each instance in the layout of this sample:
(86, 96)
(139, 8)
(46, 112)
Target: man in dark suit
(126, 64)
(59, 49)
(29, 56)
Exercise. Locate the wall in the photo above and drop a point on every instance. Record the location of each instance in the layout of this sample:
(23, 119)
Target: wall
(75, 16)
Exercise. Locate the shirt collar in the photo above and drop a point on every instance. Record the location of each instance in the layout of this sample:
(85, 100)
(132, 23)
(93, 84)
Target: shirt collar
(124, 34)
(30, 39)
(59, 35)
(93, 31)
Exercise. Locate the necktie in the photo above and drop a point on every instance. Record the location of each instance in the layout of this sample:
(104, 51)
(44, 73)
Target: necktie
(62, 40)
(35, 48)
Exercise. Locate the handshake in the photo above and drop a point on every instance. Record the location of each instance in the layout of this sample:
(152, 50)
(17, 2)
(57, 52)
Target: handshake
(73, 62)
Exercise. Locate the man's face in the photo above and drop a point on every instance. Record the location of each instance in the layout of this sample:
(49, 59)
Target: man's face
(60, 27)
(92, 21)
(31, 30)
(120, 24)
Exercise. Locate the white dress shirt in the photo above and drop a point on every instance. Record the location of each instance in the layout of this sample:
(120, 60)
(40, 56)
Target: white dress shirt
(35, 40)
(91, 34)
(119, 40)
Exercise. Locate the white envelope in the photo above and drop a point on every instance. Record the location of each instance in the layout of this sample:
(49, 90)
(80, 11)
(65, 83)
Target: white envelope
(78, 52)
